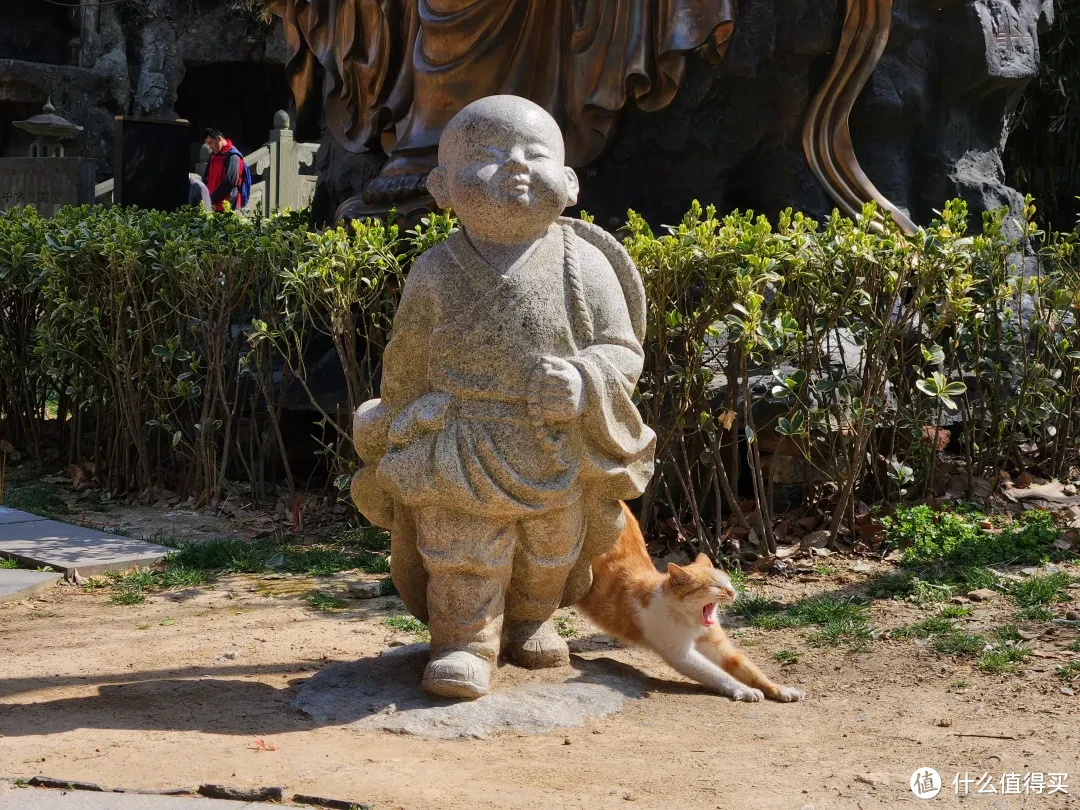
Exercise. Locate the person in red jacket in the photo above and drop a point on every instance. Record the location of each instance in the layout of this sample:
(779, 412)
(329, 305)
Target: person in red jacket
(224, 172)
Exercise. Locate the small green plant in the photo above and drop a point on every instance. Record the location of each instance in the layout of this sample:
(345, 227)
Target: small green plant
(937, 625)
(1074, 645)
(1008, 633)
(960, 684)
(786, 658)
(566, 626)
(182, 576)
(408, 624)
(842, 631)
(955, 611)
(960, 644)
(36, 498)
(324, 602)
(1041, 590)
(958, 539)
(825, 570)
(8, 562)
(751, 606)
(143, 626)
(135, 579)
(841, 620)
(128, 596)
(1036, 614)
(1069, 671)
(1004, 659)
(978, 577)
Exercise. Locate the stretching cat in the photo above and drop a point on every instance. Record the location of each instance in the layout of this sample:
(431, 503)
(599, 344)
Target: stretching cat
(674, 615)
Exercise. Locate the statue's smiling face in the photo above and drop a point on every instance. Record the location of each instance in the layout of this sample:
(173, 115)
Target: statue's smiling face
(502, 169)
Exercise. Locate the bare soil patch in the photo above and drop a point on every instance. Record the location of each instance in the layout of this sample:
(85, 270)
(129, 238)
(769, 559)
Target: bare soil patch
(175, 691)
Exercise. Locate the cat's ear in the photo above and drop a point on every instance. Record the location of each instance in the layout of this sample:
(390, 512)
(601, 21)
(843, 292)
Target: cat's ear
(703, 559)
(678, 575)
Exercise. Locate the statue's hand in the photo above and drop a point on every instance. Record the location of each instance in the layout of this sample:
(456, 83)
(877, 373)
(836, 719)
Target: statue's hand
(560, 390)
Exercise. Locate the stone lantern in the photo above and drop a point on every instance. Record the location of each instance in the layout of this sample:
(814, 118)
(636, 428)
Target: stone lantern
(51, 130)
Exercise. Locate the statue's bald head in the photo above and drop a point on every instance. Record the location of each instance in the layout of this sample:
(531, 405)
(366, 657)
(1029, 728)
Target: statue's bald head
(493, 119)
(502, 169)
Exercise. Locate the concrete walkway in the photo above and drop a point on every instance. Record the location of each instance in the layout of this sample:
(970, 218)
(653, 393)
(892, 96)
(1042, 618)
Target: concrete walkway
(18, 584)
(37, 543)
(42, 799)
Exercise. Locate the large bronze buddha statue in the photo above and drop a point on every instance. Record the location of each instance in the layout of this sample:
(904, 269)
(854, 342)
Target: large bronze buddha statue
(389, 74)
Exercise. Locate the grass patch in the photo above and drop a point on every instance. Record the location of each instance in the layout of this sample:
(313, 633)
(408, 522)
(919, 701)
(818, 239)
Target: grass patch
(181, 576)
(37, 498)
(786, 658)
(1005, 659)
(978, 577)
(128, 596)
(1041, 589)
(1074, 646)
(408, 624)
(841, 620)
(323, 602)
(228, 556)
(566, 627)
(825, 570)
(944, 622)
(736, 577)
(1008, 633)
(1069, 671)
(1036, 614)
(957, 538)
(367, 538)
(8, 562)
(960, 685)
(841, 632)
(261, 556)
(960, 644)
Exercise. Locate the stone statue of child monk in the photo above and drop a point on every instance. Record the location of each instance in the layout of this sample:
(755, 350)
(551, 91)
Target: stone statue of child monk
(506, 433)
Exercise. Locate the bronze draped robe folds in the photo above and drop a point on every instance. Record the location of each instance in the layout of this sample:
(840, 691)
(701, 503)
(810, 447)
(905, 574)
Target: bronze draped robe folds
(396, 71)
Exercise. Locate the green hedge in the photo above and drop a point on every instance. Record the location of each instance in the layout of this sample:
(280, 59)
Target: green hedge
(166, 341)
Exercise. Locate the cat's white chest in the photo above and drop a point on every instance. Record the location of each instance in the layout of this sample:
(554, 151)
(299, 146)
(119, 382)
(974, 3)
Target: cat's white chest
(663, 628)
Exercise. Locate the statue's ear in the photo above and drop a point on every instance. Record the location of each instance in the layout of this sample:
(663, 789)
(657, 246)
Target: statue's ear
(572, 186)
(437, 187)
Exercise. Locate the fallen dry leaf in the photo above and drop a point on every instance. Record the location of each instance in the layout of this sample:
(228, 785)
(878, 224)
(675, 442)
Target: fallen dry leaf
(262, 745)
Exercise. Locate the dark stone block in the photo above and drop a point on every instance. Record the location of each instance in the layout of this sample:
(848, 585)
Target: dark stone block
(46, 184)
(150, 163)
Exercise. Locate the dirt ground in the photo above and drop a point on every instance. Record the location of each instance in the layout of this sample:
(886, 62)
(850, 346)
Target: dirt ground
(175, 691)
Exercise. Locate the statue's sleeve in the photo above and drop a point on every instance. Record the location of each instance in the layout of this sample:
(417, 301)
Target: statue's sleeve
(404, 379)
(619, 446)
(405, 361)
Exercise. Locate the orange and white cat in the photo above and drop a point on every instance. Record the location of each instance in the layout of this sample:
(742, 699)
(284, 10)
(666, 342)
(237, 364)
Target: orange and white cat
(674, 615)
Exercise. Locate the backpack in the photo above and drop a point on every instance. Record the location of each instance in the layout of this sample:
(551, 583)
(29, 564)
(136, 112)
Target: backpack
(245, 177)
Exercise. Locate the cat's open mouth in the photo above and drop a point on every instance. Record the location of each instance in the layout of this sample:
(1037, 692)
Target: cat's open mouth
(708, 614)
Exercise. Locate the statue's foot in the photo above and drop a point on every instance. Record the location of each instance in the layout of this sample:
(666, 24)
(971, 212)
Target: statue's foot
(457, 674)
(535, 645)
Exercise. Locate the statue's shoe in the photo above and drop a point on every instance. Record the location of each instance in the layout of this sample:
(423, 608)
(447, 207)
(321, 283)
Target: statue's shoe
(457, 674)
(535, 645)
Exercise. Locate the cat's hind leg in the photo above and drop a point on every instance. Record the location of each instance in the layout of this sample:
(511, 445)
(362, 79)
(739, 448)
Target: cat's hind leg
(719, 650)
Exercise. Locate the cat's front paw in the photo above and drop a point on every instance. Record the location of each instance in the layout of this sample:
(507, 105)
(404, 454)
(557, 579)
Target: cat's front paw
(747, 695)
(789, 694)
